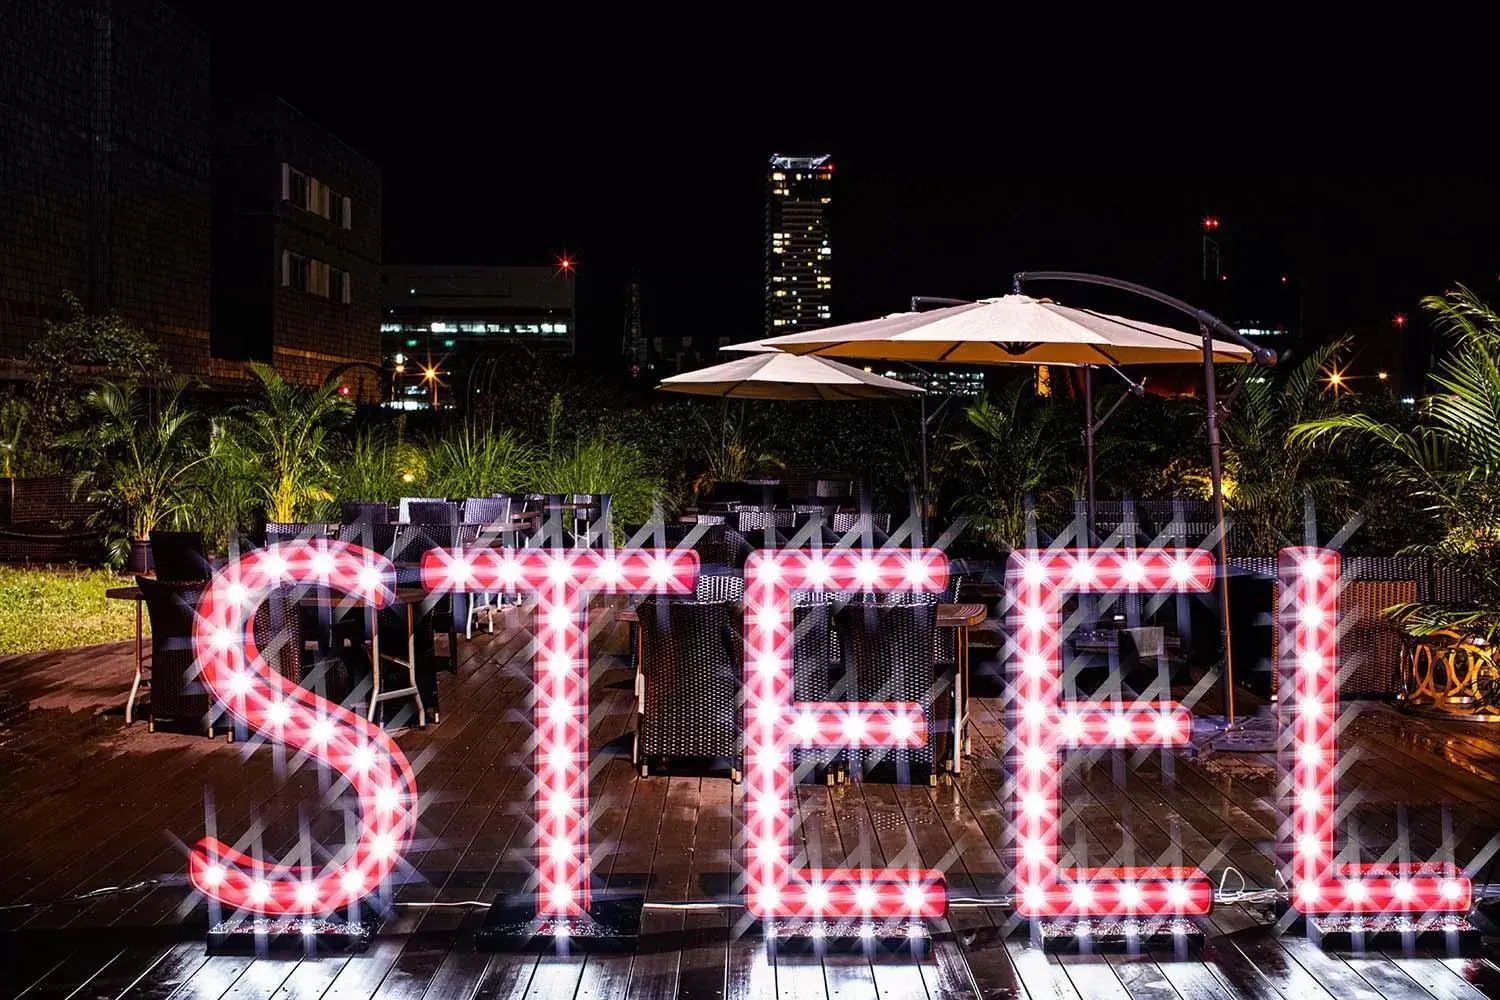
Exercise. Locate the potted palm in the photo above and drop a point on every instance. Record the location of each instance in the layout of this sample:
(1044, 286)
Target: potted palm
(140, 450)
(288, 427)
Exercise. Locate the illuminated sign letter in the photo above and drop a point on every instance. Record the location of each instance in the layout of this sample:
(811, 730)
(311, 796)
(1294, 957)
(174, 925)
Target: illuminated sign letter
(775, 724)
(561, 579)
(238, 678)
(1039, 581)
(1308, 622)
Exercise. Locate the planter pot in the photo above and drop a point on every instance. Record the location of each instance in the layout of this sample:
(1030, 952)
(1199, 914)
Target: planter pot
(140, 556)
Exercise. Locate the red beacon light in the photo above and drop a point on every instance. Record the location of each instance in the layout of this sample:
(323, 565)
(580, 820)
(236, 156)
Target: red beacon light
(1210, 223)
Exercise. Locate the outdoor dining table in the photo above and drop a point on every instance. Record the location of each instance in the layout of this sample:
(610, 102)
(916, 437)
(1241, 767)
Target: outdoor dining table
(132, 594)
(407, 596)
(959, 617)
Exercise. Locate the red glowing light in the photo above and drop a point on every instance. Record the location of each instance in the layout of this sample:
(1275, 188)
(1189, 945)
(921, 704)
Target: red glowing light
(1210, 223)
(1399, 320)
(565, 263)
(774, 724)
(238, 678)
(1308, 619)
(561, 579)
(1039, 581)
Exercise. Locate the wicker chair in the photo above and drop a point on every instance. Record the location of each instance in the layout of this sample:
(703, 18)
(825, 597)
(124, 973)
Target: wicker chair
(693, 655)
(760, 518)
(891, 648)
(179, 557)
(812, 681)
(290, 531)
(176, 693)
(403, 506)
(439, 512)
(852, 520)
(355, 511)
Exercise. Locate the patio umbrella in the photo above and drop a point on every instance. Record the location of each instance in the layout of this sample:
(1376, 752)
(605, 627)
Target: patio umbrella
(1021, 329)
(774, 375)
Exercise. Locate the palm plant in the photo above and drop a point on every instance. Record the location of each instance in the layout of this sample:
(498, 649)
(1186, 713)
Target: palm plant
(379, 467)
(140, 454)
(732, 453)
(13, 414)
(1270, 473)
(1011, 454)
(475, 462)
(289, 427)
(1449, 462)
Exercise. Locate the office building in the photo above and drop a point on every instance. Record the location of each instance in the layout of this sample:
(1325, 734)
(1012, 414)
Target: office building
(799, 257)
(438, 321)
(104, 172)
(296, 250)
(939, 381)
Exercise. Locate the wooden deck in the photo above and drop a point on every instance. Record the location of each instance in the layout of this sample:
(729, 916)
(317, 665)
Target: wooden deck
(93, 804)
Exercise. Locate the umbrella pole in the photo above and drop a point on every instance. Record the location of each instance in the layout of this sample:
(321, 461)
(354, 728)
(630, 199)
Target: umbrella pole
(1088, 442)
(922, 500)
(1216, 472)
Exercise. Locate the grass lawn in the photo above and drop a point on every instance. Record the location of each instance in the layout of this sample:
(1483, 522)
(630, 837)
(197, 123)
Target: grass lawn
(46, 608)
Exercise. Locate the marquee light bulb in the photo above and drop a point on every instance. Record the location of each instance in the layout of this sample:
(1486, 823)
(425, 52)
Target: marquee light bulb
(1355, 891)
(864, 898)
(363, 758)
(1119, 727)
(387, 799)
(371, 579)
(1309, 891)
(610, 572)
(1177, 895)
(1167, 727)
(1034, 666)
(1452, 889)
(818, 572)
(1403, 890)
(1130, 895)
(213, 875)
(1033, 572)
(237, 594)
(321, 563)
(1182, 571)
(383, 846)
(321, 731)
(1133, 572)
(224, 638)
(1083, 895)
(307, 893)
(902, 727)
(917, 572)
(278, 712)
(915, 898)
(260, 891)
(239, 683)
(817, 897)
(1310, 846)
(273, 565)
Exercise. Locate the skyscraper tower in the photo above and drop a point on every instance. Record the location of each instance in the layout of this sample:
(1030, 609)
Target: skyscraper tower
(635, 346)
(799, 260)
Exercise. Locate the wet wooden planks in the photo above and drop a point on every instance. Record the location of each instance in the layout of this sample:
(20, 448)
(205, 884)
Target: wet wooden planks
(96, 804)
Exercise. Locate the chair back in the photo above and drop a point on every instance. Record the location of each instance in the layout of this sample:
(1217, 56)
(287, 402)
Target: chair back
(403, 506)
(720, 587)
(176, 692)
(179, 556)
(291, 531)
(486, 511)
(357, 511)
(592, 525)
(693, 654)
(760, 518)
(852, 520)
(443, 512)
(892, 649)
(377, 536)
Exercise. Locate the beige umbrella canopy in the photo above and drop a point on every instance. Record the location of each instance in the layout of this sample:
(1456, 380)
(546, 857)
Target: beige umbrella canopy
(1011, 329)
(773, 375)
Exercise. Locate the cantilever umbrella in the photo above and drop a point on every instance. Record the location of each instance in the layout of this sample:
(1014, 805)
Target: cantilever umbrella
(1020, 329)
(774, 375)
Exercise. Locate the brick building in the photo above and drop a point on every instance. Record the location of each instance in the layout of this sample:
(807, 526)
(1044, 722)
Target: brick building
(104, 170)
(296, 246)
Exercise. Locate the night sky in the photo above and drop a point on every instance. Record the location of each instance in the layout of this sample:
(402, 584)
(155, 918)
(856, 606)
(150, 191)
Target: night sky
(507, 140)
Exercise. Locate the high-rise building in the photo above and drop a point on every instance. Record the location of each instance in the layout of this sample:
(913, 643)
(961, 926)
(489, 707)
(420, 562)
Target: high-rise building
(799, 258)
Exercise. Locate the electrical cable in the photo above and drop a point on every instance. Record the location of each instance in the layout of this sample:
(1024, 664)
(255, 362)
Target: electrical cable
(107, 890)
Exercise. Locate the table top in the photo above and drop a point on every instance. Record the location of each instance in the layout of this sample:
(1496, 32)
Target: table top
(124, 594)
(948, 615)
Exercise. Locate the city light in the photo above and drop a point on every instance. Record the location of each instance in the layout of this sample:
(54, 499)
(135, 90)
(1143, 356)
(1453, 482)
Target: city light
(1210, 223)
